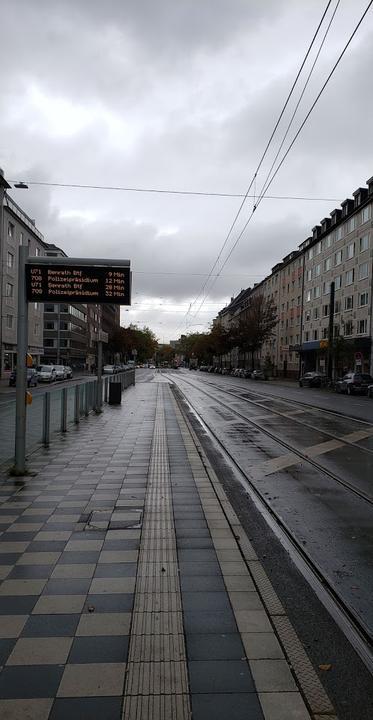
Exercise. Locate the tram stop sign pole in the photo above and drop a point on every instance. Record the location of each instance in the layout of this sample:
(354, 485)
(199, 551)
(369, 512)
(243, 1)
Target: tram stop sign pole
(59, 280)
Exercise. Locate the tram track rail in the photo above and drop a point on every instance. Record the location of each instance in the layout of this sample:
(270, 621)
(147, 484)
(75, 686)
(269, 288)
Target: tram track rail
(296, 451)
(355, 630)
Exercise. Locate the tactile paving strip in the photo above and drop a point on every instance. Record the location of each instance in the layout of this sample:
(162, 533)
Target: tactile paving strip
(311, 685)
(160, 707)
(156, 684)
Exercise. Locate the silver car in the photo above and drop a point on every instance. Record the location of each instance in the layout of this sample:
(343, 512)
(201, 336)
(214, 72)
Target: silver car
(46, 373)
(60, 371)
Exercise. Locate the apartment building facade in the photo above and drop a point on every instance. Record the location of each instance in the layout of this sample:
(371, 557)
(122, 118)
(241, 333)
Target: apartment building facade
(339, 251)
(16, 228)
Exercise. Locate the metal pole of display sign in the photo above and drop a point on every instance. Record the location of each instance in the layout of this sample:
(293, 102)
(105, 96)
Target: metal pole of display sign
(21, 384)
(331, 331)
(102, 338)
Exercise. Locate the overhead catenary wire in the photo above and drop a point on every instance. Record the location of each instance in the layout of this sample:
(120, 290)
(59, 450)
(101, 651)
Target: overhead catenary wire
(238, 213)
(264, 189)
(167, 191)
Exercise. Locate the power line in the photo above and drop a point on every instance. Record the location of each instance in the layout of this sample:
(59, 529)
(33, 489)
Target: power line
(162, 191)
(264, 189)
(261, 159)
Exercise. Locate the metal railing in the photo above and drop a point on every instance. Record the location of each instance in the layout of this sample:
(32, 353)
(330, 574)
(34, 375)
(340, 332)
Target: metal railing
(56, 410)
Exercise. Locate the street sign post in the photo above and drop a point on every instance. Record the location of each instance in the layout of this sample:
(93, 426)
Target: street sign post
(60, 280)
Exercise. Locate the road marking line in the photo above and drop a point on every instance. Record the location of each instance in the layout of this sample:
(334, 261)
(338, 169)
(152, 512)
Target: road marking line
(322, 448)
(357, 435)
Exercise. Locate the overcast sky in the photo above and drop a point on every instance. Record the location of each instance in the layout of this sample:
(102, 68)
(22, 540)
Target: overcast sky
(179, 95)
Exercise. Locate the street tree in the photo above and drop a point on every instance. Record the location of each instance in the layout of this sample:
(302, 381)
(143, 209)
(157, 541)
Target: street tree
(255, 325)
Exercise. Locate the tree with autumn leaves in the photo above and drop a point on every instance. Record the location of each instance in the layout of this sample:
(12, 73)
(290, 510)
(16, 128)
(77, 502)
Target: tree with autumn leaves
(253, 328)
(255, 325)
(123, 341)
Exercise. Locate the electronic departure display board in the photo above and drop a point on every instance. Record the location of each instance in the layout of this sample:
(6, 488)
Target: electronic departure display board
(52, 282)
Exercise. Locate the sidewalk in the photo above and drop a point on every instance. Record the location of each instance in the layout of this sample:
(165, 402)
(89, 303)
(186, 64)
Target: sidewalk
(129, 589)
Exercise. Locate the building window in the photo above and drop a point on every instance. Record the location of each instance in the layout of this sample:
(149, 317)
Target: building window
(49, 343)
(325, 310)
(351, 225)
(363, 271)
(316, 291)
(324, 333)
(318, 248)
(364, 243)
(36, 328)
(350, 275)
(315, 334)
(11, 229)
(308, 315)
(308, 296)
(310, 254)
(362, 326)
(326, 288)
(336, 331)
(365, 214)
(337, 307)
(338, 257)
(48, 308)
(37, 252)
(349, 328)
(329, 240)
(49, 325)
(36, 306)
(339, 233)
(9, 290)
(317, 270)
(9, 321)
(363, 299)
(350, 251)
(9, 260)
(21, 238)
(315, 313)
(327, 263)
(349, 302)
(309, 274)
(307, 335)
(338, 282)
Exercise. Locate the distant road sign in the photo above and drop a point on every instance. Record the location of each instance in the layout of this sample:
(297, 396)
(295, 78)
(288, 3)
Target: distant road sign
(50, 281)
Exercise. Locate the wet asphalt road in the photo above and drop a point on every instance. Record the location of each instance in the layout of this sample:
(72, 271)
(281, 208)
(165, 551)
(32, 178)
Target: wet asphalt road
(334, 525)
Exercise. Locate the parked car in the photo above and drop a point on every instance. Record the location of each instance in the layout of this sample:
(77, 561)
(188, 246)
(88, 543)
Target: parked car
(312, 379)
(69, 372)
(354, 383)
(46, 373)
(257, 375)
(60, 371)
(109, 369)
(32, 378)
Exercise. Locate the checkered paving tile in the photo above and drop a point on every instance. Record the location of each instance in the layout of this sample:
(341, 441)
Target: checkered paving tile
(69, 541)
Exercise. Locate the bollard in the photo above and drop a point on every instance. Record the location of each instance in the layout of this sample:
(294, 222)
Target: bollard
(86, 399)
(64, 410)
(77, 405)
(46, 418)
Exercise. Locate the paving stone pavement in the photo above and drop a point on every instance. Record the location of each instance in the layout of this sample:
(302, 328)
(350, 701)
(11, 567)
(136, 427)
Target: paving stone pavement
(123, 591)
